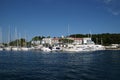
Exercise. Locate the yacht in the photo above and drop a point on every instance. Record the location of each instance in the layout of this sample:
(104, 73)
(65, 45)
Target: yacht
(73, 48)
(46, 49)
(83, 48)
(15, 49)
(1, 49)
(56, 48)
(24, 48)
(8, 48)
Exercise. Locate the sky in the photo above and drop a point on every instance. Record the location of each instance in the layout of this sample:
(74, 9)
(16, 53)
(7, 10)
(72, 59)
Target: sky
(54, 17)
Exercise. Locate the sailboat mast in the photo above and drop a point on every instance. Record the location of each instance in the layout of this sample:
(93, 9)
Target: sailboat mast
(68, 32)
(68, 29)
(25, 40)
(16, 37)
(0, 36)
(8, 36)
(90, 34)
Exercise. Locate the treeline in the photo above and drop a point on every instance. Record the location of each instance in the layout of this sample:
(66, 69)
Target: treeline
(104, 39)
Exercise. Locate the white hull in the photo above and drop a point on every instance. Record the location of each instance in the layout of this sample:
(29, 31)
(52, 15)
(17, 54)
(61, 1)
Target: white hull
(1, 49)
(56, 49)
(24, 49)
(15, 49)
(82, 48)
(75, 49)
(7, 48)
(45, 49)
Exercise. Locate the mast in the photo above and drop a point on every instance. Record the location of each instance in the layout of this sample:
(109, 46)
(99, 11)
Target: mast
(68, 29)
(19, 39)
(25, 40)
(16, 37)
(101, 41)
(68, 32)
(90, 34)
(0, 36)
(8, 42)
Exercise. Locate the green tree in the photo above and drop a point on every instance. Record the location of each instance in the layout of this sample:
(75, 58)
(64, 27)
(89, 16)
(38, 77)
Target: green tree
(65, 40)
(36, 38)
(105, 38)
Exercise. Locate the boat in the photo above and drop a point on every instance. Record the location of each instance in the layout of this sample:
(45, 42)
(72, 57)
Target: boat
(1, 45)
(8, 48)
(73, 48)
(1, 49)
(56, 49)
(15, 49)
(83, 48)
(46, 49)
(24, 48)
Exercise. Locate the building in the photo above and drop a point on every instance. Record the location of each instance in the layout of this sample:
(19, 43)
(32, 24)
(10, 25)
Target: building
(36, 42)
(47, 41)
(55, 41)
(88, 41)
(78, 41)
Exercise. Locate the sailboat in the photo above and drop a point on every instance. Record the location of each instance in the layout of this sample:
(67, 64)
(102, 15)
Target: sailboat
(16, 48)
(1, 45)
(25, 48)
(8, 48)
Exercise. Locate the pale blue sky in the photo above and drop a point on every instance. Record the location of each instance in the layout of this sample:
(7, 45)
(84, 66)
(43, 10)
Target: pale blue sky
(51, 17)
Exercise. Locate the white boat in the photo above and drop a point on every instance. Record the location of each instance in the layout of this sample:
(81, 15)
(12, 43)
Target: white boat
(70, 49)
(8, 48)
(98, 47)
(37, 47)
(15, 49)
(56, 49)
(1, 49)
(46, 49)
(24, 48)
(73, 48)
(1, 45)
(83, 48)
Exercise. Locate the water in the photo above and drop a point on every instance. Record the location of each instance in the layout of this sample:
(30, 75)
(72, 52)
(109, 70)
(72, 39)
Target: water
(99, 65)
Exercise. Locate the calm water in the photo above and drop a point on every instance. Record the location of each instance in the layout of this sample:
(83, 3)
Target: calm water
(99, 65)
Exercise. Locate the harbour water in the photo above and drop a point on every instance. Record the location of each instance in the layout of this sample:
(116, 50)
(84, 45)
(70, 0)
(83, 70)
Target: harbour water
(32, 65)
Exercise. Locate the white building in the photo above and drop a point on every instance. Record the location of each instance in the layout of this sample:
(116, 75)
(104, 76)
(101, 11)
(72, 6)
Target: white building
(47, 40)
(88, 41)
(76, 40)
(55, 40)
(36, 42)
(79, 41)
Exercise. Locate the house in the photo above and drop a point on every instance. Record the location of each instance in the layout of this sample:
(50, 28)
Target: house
(88, 41)
(47, 41)
(55, 40)
(36, 42)
(76, 40)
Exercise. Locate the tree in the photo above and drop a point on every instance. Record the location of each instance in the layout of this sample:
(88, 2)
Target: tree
(65, 40)
(37, 38)
(105, 38)
(18, 42)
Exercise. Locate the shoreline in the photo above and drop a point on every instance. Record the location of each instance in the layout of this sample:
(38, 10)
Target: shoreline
(112, 49)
